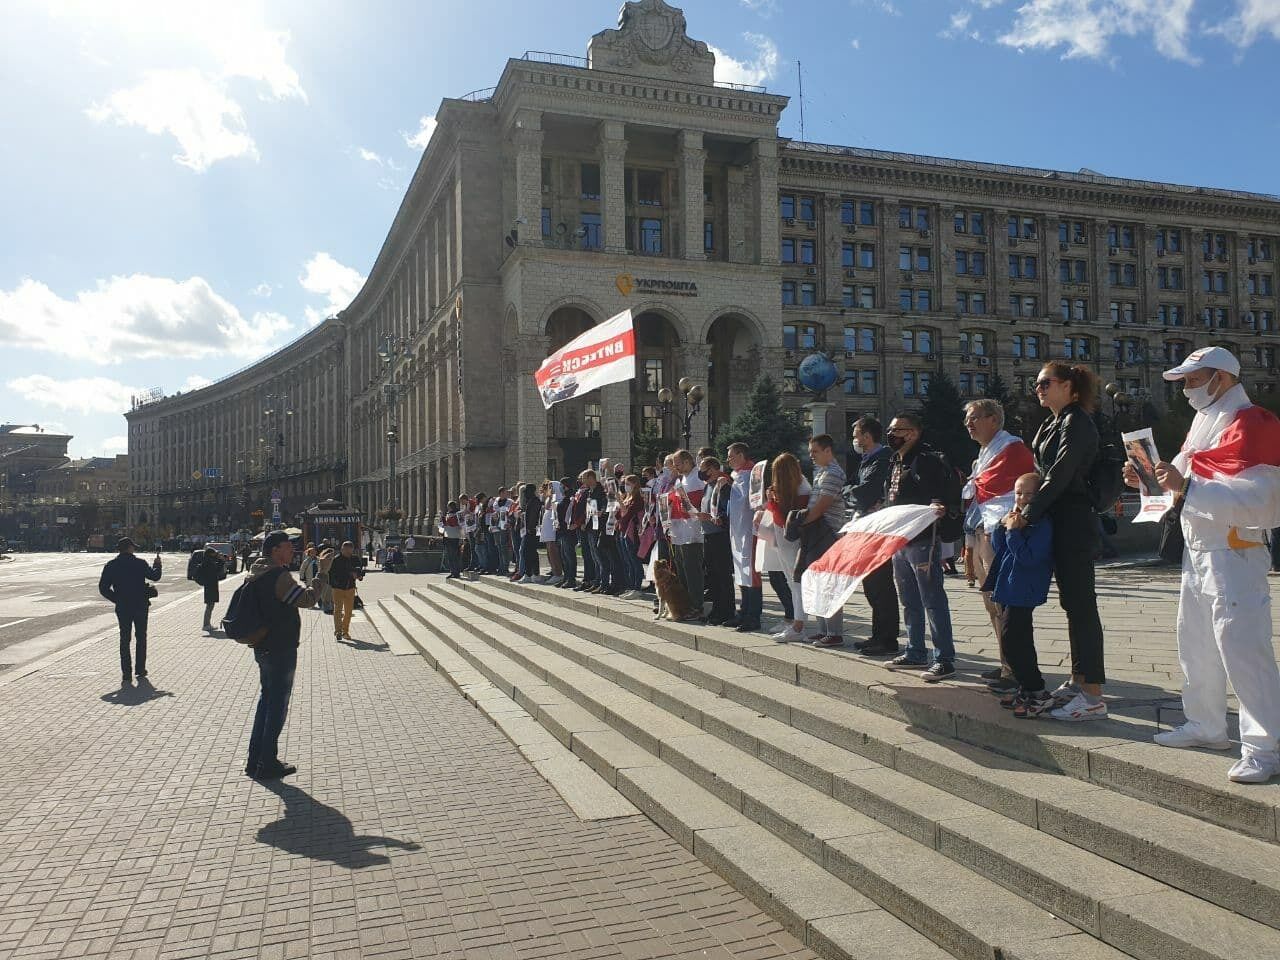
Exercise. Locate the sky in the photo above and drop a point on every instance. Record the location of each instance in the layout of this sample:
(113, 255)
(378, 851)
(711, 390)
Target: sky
(189, 185)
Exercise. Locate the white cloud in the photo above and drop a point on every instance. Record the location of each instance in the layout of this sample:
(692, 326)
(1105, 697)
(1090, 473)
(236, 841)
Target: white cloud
(755, 71)
(208, 125)
(856, 43)
(263, 289)
(884, 6)
(766, 8)
(1253, 18)
(369, 155)
(110, 446)
(195, 382)
(959, 26)
(338, 284)
(419, 140)
(83, 394)
(134, 317)
(1085, 28)
(190, 55)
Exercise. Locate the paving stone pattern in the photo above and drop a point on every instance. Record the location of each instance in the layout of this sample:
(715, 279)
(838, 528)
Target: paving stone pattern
(413, 828)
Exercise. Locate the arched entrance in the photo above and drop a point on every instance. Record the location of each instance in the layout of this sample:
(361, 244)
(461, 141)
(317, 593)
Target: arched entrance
(573, 425)
(734, 364)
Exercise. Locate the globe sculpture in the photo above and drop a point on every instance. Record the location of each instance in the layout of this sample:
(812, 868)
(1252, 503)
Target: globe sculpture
(817, 373)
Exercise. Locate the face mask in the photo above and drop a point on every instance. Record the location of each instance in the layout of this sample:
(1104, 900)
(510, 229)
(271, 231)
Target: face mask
(896, 441)
(857, 448)
(1201, 397)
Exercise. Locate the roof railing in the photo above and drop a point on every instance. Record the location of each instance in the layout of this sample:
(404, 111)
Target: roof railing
(570, 60)
(479, 96)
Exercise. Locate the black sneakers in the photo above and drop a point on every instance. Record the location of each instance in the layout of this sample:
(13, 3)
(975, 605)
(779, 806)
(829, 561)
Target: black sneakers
(940, 670)
(272, 773)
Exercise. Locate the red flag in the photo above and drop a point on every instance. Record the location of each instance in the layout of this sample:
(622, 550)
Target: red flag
(867, 544)
(1250, 440)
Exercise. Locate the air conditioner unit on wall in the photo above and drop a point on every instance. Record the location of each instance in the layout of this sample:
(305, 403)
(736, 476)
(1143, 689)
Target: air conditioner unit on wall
(811, 271)
(1013, 241)
(789, 221)
(850, 228)
(984, 361)
(964, 358)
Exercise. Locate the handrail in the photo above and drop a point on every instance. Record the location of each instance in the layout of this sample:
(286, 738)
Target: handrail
(479, 96)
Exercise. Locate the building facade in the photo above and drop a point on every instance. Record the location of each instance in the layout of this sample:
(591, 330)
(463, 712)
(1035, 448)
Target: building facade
(579, 187)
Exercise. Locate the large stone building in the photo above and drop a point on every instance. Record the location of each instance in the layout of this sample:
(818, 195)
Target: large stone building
(578, 187)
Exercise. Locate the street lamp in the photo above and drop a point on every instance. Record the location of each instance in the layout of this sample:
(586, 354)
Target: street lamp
(1120, 402)
(693, 394)
(391, 350)
(275, 409)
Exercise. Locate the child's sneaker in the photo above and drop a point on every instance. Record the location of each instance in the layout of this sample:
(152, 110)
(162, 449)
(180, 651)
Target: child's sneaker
(1032, 705)
(1011, 699)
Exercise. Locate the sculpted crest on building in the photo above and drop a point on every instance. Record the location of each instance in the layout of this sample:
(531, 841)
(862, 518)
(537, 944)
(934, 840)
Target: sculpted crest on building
(579, 187)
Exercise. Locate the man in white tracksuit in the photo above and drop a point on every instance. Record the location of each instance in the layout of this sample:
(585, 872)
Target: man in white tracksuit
(1228, 479)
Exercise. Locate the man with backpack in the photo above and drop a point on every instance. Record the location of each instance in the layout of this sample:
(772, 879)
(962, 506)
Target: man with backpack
(921, 475)
(270, 592)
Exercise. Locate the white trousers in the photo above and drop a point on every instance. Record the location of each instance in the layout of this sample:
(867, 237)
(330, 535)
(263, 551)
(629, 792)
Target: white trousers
(1224, 633)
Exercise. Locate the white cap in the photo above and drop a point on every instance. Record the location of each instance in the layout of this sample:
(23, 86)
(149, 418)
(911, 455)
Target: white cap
(1206, 358)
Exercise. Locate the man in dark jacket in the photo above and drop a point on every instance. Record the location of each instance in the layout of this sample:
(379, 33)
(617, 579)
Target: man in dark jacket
(867, 493)
(124, 582)
(279, 597)
(209, 572)
(919, 474)
(567, 538)
(343, 573)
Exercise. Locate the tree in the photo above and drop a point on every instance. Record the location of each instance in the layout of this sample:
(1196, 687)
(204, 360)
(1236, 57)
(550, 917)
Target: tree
(998, 390)
(763, 425)
(943, 416)
(648, 445)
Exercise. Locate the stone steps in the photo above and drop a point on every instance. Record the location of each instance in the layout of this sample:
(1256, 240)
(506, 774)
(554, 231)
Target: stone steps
(975, 878)
(1116, 753)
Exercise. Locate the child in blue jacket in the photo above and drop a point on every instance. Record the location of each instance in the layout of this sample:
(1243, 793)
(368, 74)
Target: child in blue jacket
(1019, 582)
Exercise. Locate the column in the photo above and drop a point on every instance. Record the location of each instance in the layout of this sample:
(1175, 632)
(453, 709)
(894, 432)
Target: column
(999, 263)
(945, 267)
(527, 137)
(615, 422)
(531, 418)
(764, 191)
(736, 203)
(693, 161)
(693, 364)
(613, 194)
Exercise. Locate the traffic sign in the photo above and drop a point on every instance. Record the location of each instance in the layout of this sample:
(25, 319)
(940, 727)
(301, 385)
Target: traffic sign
(212, 473)
(276, 495)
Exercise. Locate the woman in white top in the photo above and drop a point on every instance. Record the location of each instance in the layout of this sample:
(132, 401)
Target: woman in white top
(788, 491)
(551, 495)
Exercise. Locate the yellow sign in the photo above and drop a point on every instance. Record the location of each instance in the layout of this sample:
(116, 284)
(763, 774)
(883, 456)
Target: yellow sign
(625, 283)
(196, 474)
(628, 284)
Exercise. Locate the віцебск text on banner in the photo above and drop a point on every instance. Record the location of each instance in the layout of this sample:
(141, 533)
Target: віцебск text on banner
(604, 354)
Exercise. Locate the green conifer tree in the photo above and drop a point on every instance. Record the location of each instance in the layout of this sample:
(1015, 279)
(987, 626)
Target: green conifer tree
(943, 417)
(763, 425)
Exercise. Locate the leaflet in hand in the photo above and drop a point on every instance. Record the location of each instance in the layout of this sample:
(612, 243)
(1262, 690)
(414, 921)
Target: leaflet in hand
(1140, 449)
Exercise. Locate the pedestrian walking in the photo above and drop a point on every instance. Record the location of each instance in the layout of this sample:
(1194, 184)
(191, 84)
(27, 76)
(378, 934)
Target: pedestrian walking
(1226, 481)
(278, 597)
(342, 574)
(1002, 460)
(867, 494)
(210, 571)
(1065, 448)
(124, 582)
(1017, 581)
(921, 475)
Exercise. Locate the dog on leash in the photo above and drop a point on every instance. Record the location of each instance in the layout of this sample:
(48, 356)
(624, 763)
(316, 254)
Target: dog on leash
(672, 596)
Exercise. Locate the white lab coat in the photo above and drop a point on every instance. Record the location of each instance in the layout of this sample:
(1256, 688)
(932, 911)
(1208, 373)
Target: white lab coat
(741, 528)
(1224, 608)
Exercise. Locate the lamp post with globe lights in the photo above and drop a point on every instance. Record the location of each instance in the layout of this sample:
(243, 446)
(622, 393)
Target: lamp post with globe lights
(391, 350)
(693, 395)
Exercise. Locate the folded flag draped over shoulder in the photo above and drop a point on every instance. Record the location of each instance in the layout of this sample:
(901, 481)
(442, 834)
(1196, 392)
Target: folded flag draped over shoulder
(999, 465)
(604, 354)
(1252, 439)
(866, 545)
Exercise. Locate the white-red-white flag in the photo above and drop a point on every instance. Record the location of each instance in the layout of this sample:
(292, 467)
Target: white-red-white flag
(866, 545)
(604, 354)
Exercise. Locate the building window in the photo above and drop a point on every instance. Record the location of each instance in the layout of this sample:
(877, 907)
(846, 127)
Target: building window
(915, 383)
(653, 380)
(867, 213)
(648, 187)
(589, 173)
(917, 340)
(1071, 231)
(923, 299)
(971, 222)
(971, 263)
(1123, 311)
(790, 381)
(592, 231)
(1022, 268)
(860, 339)
(847, 212)
(1171, 314)
(591, 419)
(787, 207)
(1260, 249)
(788, 293)
(1266, 320)
(708, 236)
(546, 221)
(914, 258)
(848, 296)
(806, 251)
(848, 255)
(1214, 246)
(650, 236)
(1024, 306)
(1122, 274)
(1073, 271)
(652, 420)
(1022, 228)
(1169, 278)
(808, 294)
(788, 250)
(867, 256)
(1127, 350)
(1076, 348)
(807, 206)
(867, 298)
(1028, 346)
(1212, 318)
(969, 301)
(865, 382)
(1265, 357)
(913, 217)
(1175, 351)
(1121, 236)
(1168, 240)
(1214, 281)
(973, 342)
(1075, 309)
(1260, 285)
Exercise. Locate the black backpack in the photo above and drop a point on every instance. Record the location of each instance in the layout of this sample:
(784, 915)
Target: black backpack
(951, 526)
(244, 622)
(1105, 479)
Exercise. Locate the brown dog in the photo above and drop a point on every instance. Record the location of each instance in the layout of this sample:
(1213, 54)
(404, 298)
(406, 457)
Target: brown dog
(672, 595)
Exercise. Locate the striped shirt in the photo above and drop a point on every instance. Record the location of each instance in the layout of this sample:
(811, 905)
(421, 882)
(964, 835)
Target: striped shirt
(829, 481)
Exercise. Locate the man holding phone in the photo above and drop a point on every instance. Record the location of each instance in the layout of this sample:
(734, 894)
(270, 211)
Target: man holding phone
(124, 582)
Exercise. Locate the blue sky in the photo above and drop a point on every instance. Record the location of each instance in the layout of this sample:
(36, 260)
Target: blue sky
(188, 185)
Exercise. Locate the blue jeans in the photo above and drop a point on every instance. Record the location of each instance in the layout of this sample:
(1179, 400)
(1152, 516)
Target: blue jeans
(275, 672)
(631, 562)
(567, 541)
(917, 571)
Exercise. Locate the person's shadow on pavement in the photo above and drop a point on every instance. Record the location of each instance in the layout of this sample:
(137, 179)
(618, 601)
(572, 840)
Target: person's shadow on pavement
(318, 831)
(134, 695)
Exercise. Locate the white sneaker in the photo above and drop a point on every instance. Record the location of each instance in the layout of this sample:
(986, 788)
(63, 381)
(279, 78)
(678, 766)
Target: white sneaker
(1079, 710)
(1190, 735)
(525, 579)
(632, 595)
(1252, 769)
(1066, 692)
(788, 635)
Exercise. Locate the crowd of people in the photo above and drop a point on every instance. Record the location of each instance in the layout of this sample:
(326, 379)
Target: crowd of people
(698, 535)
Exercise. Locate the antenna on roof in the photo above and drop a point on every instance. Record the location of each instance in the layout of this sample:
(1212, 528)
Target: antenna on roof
(800, 78)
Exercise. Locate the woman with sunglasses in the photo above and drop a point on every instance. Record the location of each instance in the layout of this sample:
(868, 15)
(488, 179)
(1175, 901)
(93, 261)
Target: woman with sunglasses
(1065, 447)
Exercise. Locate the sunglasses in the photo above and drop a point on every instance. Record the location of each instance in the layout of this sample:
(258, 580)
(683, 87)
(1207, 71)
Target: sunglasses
(1042, 385)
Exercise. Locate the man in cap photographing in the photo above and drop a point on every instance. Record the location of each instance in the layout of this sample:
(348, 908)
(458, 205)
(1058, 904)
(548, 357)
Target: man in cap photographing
(279, 598)
(124, 582)
(1227, 481)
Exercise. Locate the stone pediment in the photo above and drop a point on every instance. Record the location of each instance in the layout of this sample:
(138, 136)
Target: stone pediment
(651, 42)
